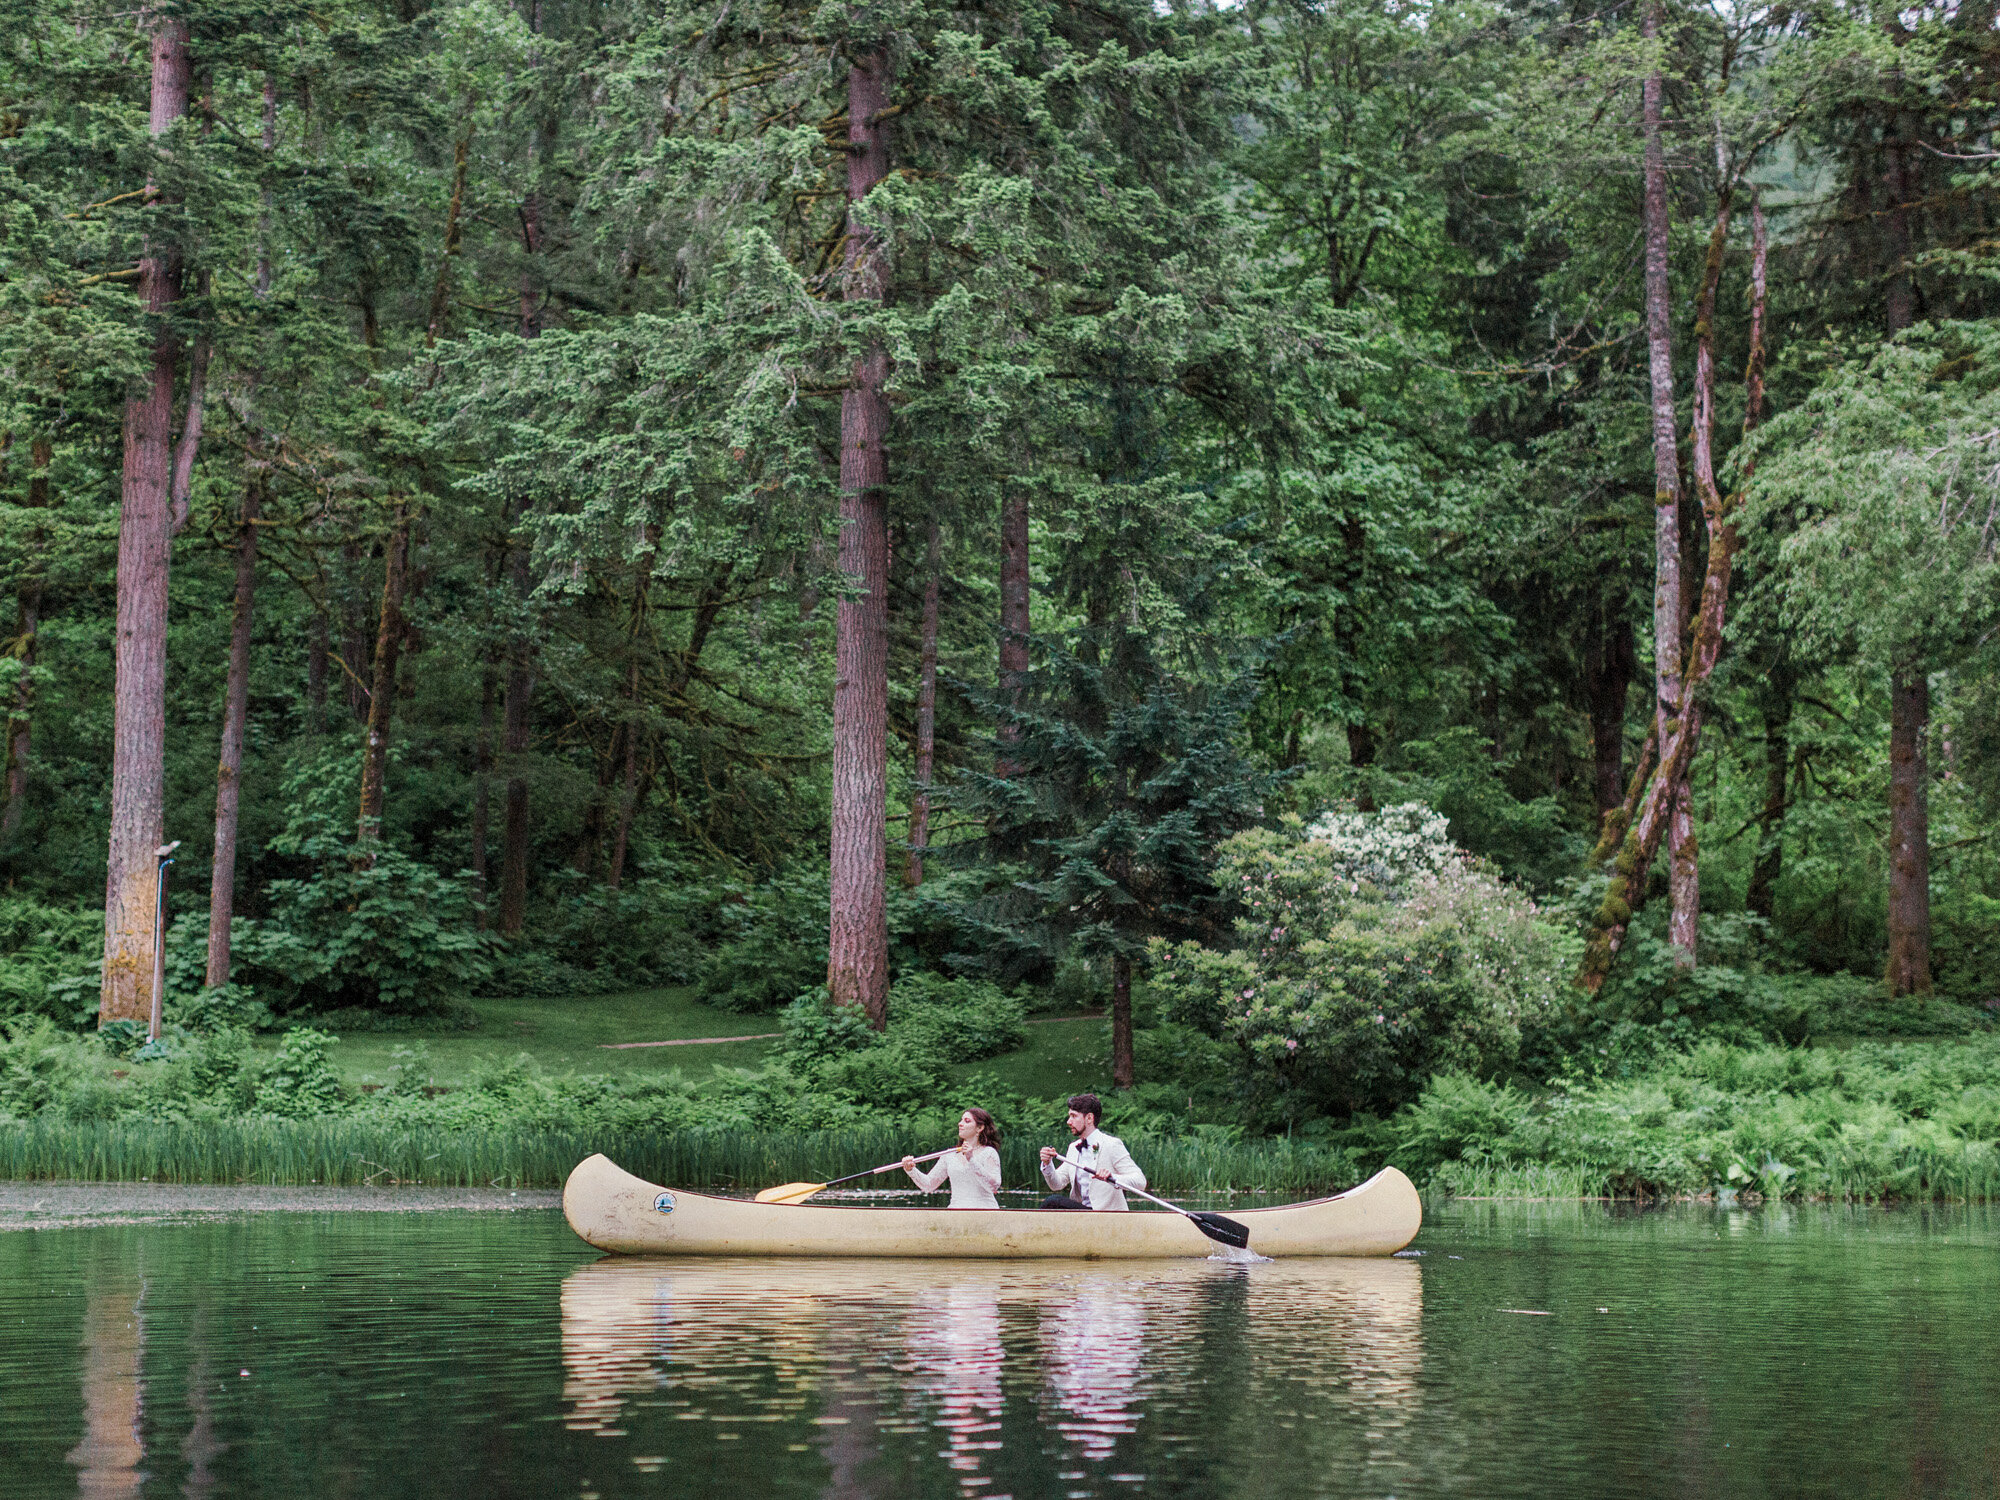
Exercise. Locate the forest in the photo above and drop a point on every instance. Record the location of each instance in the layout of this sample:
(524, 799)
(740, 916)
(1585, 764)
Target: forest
(1364, 539)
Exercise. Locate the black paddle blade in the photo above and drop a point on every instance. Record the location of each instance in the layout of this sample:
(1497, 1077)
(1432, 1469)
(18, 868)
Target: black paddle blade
(1224, 1231)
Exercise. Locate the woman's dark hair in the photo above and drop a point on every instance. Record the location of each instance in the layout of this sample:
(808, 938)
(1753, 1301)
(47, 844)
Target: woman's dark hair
(989, 1133)
(1087, 1104)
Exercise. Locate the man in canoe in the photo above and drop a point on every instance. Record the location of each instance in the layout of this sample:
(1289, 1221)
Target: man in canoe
(1080, 1175)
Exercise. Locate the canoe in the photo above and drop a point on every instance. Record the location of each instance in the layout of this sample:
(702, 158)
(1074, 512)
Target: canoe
(613, 1210)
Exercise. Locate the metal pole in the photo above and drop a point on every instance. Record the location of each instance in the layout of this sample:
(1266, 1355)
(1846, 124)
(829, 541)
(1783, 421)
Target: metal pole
(165, 855)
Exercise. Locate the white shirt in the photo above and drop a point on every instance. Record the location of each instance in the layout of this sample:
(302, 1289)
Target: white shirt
(1096, 1152)
(974, 1179)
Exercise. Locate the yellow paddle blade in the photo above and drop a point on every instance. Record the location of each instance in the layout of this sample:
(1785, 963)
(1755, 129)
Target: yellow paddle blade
(789, 1192)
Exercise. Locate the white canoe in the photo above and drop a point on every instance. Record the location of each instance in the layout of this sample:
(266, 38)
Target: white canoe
(614, 1210)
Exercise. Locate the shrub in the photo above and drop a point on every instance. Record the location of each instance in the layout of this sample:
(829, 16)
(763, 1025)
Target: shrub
(50, 958)
(1387, 849)
(41, 1067)
(956, 1020)
(816, 1029)
(1345, 992)
(299, 1082)
(772, 946)
(392, 935)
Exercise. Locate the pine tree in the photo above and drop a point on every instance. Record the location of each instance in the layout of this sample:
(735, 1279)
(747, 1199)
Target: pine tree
(1122, 775)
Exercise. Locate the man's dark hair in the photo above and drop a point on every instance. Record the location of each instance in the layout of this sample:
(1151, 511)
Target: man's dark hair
(1088, 1104)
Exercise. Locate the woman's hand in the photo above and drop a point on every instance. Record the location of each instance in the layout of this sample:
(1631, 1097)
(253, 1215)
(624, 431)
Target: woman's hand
(909, 1164)
(966, 1148)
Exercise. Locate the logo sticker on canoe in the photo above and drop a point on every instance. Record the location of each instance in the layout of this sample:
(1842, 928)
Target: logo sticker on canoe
(664, 1203)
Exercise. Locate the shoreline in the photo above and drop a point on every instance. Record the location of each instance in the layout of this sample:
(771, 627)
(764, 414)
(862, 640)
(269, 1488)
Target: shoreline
(77, 1204)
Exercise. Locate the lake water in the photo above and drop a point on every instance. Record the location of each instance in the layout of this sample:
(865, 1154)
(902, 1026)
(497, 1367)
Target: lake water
(1530, 1350)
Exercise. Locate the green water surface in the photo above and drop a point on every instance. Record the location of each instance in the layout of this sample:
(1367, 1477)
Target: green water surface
(1530, 1350)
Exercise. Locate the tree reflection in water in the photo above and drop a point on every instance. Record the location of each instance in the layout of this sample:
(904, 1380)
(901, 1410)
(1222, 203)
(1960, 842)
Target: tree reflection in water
(111, 1457)
(1113, 1363)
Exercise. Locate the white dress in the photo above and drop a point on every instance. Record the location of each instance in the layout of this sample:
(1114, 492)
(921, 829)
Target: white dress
(974, 1179)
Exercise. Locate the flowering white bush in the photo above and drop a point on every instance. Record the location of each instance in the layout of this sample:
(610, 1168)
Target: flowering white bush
(1387, 848)
(1348, 990)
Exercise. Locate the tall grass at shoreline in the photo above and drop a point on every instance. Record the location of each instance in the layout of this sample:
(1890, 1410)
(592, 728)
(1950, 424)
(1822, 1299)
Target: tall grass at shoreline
(355, 1153)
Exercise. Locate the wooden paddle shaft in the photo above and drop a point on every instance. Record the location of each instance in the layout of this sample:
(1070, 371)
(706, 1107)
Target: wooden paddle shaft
(890, 1168)
(1107, 1177)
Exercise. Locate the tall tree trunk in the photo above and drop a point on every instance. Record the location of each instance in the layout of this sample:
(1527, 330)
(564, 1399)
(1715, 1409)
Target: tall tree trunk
(139, 712)
(319, 648)
(1676, 738)
(1783, 678)
(858, 925)
(354, 632)
(382, 690)
(482, 778)
(1016, 620)
(515, 717)
(583, 859)
(236, 696)
(1362, 742)
(642, 601)
(513, 913)
(1667, 604)
(190, 444)
(1121, 1022)
(27, 626)
(1909, 834)
(1769, 863)
(1909, 971)
(920, 801)
(20, 720)
(235, 714)
(628, 798)
(1610, 663)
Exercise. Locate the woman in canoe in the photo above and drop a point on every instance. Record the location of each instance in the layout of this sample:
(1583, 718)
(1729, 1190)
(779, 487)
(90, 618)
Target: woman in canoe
(974, 1168)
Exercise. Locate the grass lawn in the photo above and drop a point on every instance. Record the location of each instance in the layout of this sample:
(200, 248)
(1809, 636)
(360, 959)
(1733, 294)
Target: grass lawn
(567, 1035)
(1066, 1056)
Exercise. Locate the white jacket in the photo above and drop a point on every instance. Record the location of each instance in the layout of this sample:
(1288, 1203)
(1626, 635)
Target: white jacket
(1100, 1152)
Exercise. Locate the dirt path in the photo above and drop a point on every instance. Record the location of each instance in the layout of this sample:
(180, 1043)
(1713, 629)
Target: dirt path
(766, 1036)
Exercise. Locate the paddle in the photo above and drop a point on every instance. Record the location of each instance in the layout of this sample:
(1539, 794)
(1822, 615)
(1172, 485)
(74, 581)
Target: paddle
(1222, 1231)
(798, 1192)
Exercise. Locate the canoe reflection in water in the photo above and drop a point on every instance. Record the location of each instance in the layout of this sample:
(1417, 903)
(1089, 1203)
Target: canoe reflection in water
(1024, 1369)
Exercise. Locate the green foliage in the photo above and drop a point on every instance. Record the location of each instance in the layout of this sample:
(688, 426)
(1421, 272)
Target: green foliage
(40, 1069)
(956, 1020)
(770, 943)
(299, 1082)
(1123, 775)
(392, 934)
(1887, 476)
(47, 954)
(1871, 1121)
(1344, 993)
(817, 1030)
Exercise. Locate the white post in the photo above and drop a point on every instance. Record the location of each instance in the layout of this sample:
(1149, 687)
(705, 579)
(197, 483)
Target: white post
(165, 855)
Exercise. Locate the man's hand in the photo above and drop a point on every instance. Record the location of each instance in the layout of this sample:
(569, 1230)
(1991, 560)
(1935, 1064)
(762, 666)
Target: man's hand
(1048, 1155)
